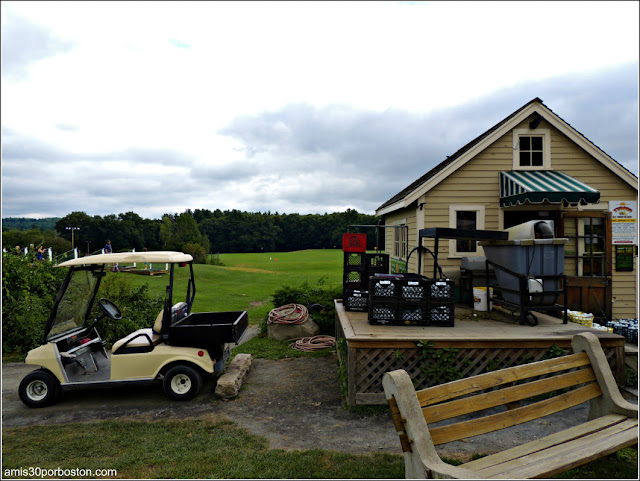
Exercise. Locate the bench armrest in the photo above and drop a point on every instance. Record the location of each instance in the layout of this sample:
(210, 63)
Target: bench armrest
(422, 461)
(611, 401)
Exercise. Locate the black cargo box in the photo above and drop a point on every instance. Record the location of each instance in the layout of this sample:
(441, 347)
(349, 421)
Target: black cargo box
(202, 329)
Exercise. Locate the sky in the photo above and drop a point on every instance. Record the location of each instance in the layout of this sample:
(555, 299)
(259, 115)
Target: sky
(289, 107)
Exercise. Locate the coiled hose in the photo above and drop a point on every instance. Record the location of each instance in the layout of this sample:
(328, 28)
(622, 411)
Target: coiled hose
(288, 314)
(314, 343)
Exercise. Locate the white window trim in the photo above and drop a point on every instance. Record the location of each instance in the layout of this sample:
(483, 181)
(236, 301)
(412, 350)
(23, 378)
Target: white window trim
(480, 214)
(546, 148)
(401, 222)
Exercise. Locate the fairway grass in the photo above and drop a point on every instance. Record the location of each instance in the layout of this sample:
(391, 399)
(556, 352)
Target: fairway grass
(246, 282)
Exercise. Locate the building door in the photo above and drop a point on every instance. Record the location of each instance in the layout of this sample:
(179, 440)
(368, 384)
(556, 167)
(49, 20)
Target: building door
(588, 261)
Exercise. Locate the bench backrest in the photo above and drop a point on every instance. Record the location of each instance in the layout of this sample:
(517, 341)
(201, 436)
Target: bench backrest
(527, 392)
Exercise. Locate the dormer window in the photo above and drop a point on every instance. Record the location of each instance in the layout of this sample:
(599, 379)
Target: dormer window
(531, 149)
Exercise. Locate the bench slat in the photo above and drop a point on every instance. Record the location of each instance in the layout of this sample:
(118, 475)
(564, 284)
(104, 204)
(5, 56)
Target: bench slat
(486, 424)
(546, 442)
(505, 395)
(568, 455)
(444, 392)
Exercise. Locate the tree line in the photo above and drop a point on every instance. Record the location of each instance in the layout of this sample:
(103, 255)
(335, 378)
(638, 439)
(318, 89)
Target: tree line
(199, 231)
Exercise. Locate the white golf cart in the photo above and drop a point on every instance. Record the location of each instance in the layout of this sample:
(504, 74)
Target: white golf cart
(178, 349)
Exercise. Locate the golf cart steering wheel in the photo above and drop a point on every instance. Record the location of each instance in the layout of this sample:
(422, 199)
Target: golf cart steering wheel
(109, 309)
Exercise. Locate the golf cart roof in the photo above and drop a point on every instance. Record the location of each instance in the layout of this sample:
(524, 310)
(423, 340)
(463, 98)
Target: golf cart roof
(128, 257)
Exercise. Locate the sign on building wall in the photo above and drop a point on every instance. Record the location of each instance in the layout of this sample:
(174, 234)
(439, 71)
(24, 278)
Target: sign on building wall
(624, 221)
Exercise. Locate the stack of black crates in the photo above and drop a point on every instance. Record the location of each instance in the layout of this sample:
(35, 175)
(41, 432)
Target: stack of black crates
(358, 267)
(411, 300)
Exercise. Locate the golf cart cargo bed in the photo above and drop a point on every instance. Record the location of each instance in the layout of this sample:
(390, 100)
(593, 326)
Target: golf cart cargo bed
(200, 329)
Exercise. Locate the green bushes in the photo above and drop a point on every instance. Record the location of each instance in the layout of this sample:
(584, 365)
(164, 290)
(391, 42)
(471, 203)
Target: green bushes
(197, 252)
(323, 313)
(29, 291)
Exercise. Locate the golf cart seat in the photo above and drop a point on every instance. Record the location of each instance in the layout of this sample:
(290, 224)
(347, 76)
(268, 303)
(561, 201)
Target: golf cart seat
(142, 340)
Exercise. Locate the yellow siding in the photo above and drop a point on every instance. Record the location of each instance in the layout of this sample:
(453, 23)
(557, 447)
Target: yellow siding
(624, 292)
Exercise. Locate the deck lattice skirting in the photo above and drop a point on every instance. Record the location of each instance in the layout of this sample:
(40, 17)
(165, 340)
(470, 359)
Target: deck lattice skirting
(366, 361)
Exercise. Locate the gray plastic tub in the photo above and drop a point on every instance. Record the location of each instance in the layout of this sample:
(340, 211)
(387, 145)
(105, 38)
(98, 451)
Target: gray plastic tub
(531, 258)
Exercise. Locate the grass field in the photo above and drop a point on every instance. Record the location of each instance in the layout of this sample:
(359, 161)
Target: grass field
(210, 448)
(247, 281)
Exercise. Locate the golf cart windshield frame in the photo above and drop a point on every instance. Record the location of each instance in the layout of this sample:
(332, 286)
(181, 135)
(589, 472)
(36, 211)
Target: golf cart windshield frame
(168, 303)
(96, 272)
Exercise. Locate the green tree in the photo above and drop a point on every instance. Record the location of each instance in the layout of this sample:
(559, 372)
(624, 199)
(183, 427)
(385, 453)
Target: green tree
(181, 230)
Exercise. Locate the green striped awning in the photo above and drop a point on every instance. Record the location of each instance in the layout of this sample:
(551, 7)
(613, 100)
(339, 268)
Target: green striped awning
(537, 186)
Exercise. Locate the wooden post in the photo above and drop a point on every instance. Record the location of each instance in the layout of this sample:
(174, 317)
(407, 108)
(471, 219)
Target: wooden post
(351, 375)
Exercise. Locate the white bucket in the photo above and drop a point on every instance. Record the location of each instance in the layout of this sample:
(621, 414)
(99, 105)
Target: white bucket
(480, 299)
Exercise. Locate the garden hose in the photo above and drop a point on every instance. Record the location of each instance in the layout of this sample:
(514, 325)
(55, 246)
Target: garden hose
(288, 314)
(314, 343)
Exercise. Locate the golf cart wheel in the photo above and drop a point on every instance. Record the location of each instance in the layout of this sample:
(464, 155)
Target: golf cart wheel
(182, 383)
(39, 388)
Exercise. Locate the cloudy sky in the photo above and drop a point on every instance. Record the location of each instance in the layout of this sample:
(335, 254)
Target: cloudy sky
(159, 107)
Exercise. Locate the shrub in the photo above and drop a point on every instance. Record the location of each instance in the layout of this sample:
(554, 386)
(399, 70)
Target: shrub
(196, 251)
(318, 299)
(28, 293)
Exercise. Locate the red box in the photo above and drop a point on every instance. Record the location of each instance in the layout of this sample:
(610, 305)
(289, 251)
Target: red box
(354, 242)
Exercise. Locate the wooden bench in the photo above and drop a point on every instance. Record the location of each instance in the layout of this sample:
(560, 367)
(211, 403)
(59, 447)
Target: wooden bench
(515, 395)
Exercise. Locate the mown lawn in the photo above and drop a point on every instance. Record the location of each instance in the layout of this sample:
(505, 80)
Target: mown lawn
(211, 447)
(247, 281)
(181, 449)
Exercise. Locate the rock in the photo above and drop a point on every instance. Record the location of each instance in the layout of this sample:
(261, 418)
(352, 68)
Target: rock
(230, 382)
(285, 332)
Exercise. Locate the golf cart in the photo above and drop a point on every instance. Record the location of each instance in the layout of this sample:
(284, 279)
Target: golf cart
(177, 350)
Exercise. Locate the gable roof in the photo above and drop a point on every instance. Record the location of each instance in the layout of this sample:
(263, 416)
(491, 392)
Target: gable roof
(429, 180)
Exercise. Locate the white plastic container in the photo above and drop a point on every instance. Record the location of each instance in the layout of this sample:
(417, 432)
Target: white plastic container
(480, 299)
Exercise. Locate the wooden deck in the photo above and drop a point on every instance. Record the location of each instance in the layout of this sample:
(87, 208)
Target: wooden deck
(488, 341)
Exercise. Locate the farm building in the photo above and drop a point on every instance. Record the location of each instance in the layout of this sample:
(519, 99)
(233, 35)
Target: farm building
(531, 165)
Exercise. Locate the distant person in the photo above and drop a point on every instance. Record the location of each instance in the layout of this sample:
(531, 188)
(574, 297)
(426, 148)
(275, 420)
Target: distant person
(40, 253)
(17, 252)
(107, 248)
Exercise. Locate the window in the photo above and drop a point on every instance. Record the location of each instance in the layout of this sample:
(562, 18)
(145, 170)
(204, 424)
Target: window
(531, 149)
(465, 217)
(400, 241)
(588, 251)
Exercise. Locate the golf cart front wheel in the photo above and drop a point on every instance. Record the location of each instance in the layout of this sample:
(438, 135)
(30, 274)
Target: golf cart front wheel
(182, 383)
(39, 388)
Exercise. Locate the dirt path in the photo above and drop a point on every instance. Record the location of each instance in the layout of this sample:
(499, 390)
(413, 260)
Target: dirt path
(295, 403)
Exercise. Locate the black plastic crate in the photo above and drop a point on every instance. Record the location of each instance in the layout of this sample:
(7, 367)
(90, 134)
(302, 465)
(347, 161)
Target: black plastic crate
(355, 300)
(384, 288)
(413, 314)
(441, 290)
(377, 263)
(383, 312)
(413, 290)
(441, 313)
(354, 279)
(355, 260)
